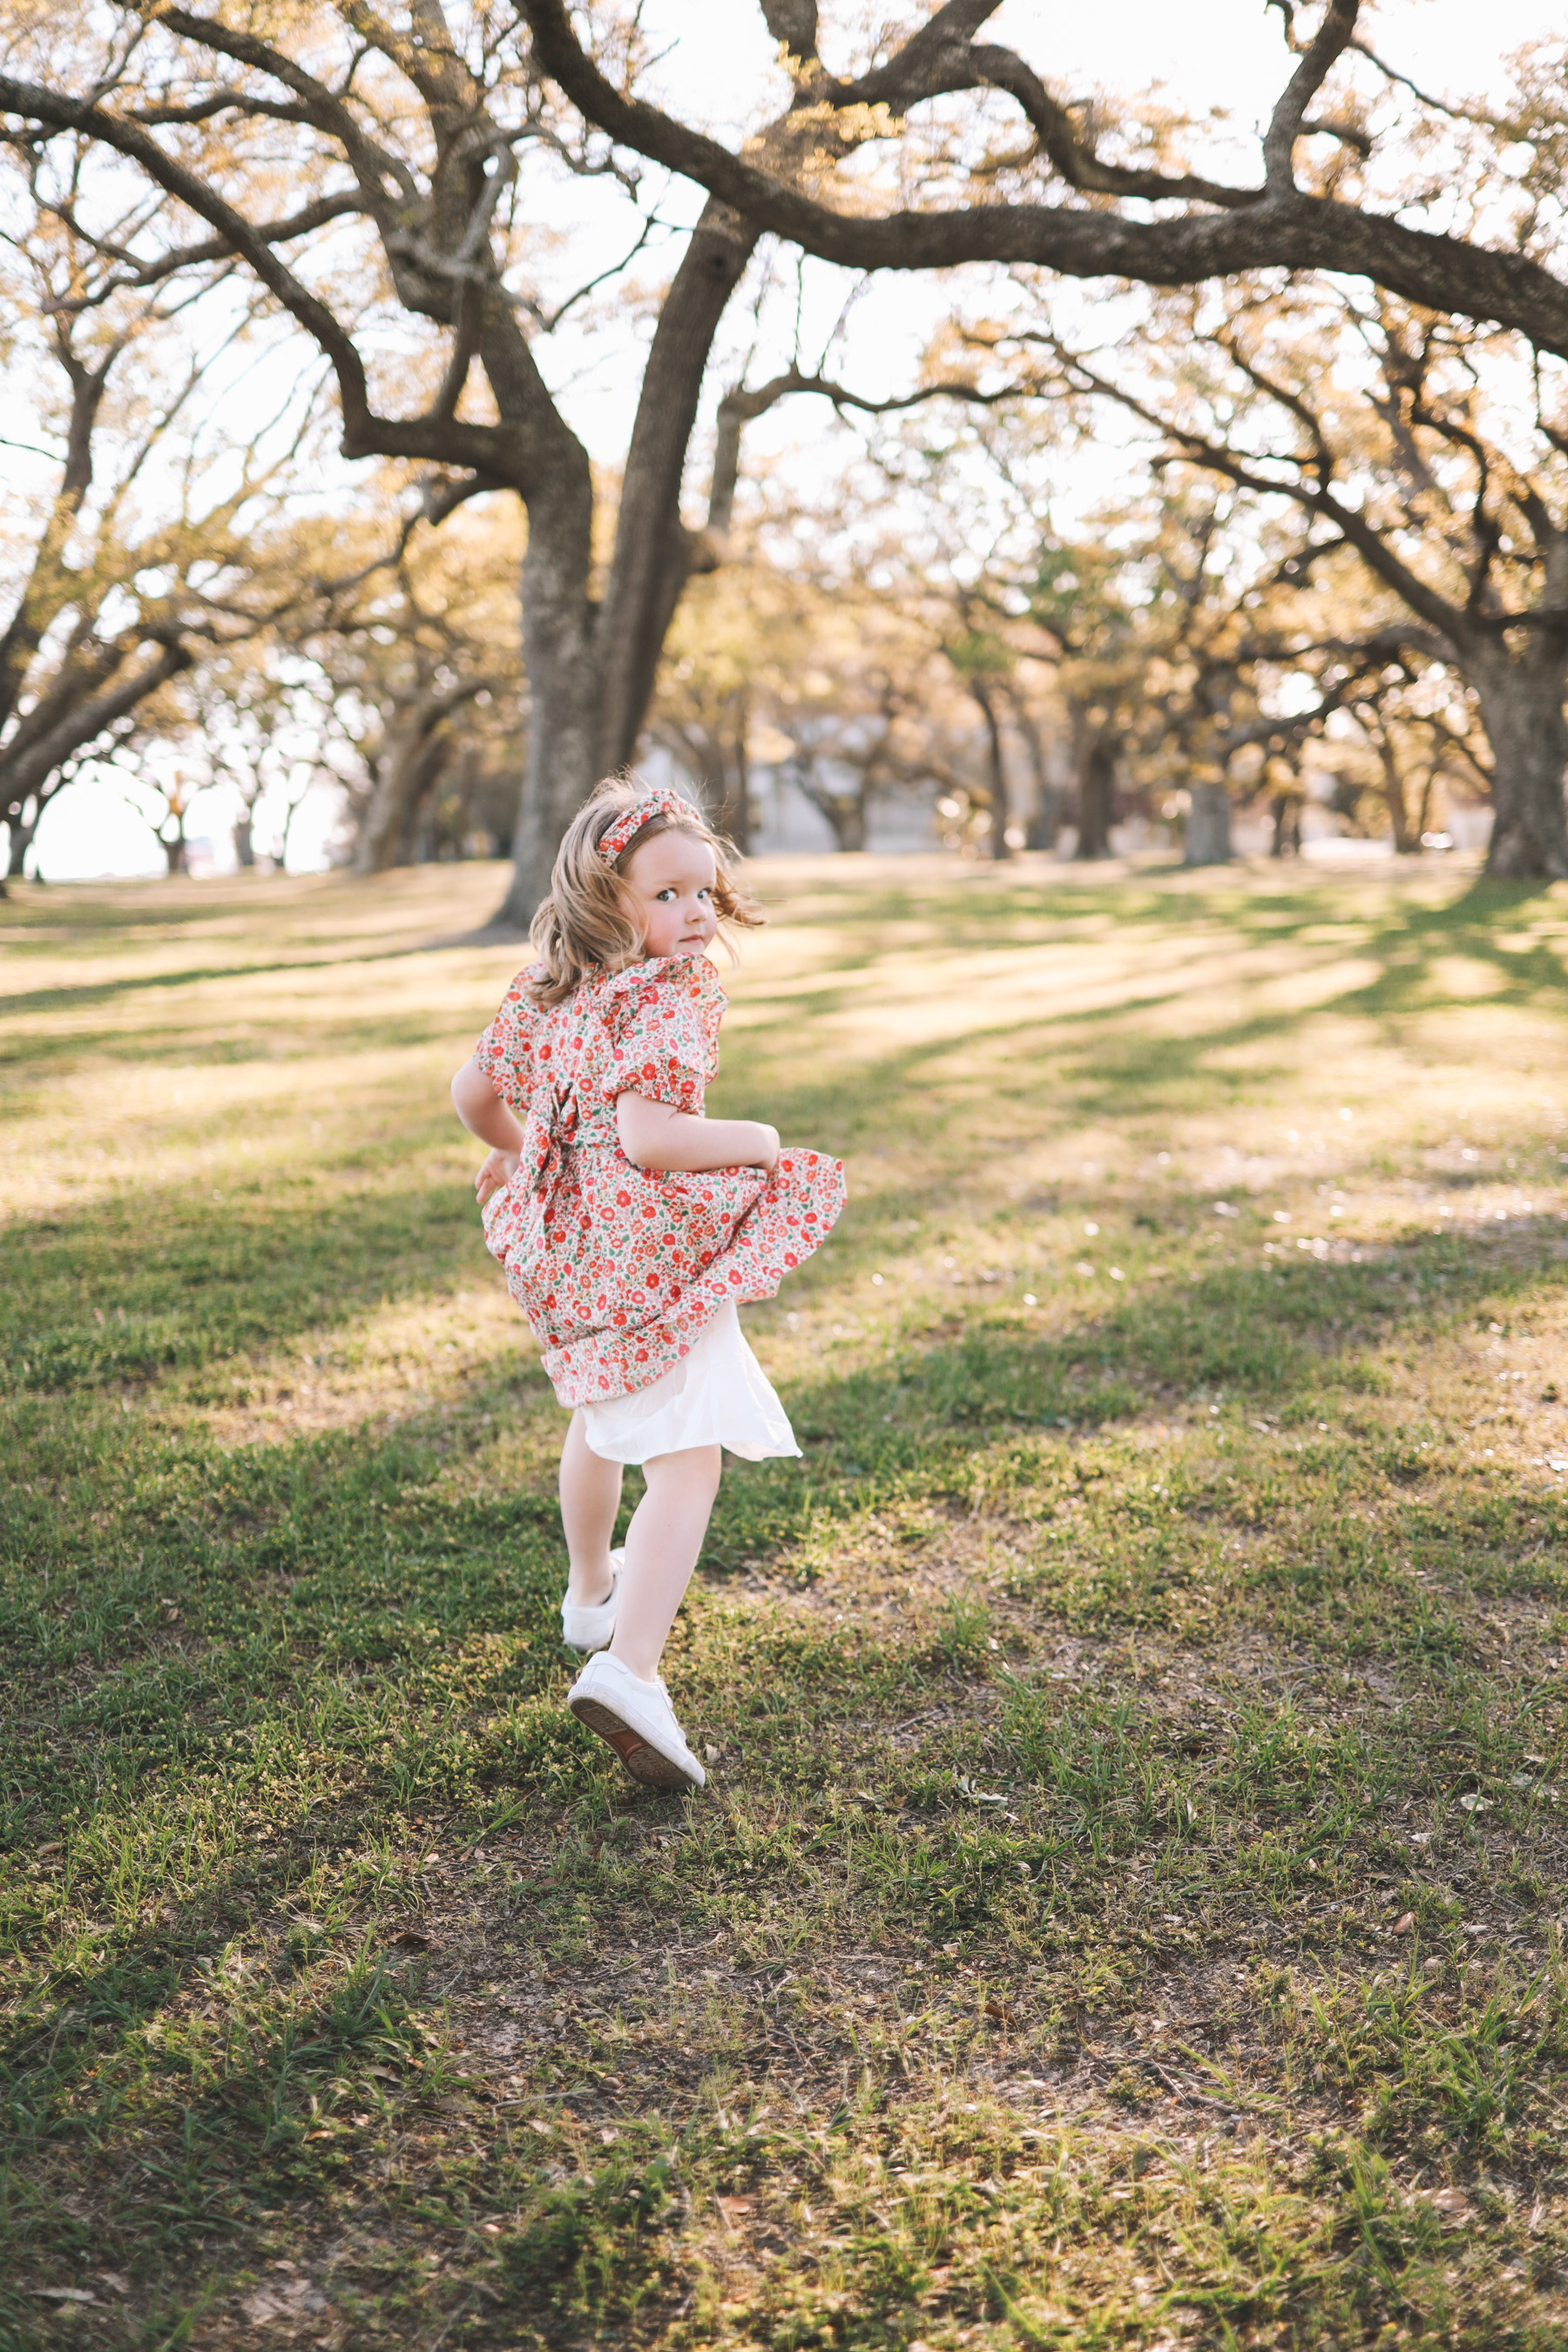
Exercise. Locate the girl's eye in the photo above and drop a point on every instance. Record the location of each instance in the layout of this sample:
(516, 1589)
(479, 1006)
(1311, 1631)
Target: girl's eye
(666, 894)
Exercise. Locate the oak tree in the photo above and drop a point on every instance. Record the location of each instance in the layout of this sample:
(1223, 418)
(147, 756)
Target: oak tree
(422, 147)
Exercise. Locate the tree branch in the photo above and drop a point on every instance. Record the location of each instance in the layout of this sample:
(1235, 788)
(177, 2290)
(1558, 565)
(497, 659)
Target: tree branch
(740, 408)
(59, 113)
(1289, 231)
(1285, 123)
(139, 273)
(30, 769)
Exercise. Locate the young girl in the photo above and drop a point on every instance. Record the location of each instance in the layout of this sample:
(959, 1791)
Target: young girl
(631, 1227)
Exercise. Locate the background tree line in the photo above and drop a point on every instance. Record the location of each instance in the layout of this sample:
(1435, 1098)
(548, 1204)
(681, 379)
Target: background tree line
(288, 298)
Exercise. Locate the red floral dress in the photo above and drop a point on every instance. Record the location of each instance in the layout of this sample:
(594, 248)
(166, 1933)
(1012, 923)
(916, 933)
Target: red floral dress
(620, 1269)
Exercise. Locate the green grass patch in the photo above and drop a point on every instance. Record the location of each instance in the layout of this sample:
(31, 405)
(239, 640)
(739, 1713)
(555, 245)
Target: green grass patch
(1126, 1910)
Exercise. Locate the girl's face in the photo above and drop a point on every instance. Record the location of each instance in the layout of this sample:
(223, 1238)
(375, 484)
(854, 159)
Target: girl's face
(671, 880)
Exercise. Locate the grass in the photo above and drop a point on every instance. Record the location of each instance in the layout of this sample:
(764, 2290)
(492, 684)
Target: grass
(1126, 1910)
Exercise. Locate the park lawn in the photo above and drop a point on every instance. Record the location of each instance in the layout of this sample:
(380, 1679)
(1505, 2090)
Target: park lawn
(1126, 1907)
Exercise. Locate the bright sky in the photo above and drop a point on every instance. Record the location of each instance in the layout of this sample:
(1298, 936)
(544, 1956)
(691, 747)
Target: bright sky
(1224, 55)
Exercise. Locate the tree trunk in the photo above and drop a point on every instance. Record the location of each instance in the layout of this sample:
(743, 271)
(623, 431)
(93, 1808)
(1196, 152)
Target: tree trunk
(732, 815)
(1045, 823)
(243, 846)
(21, 842)
(998, 846)
(1522, 710)
(563, 743)
(1405, 840)
(1286, 811)
(408, 768)
(591, 672)
(1045, 818)
(653, 549)
(845, 812)
(1208, 826)
(1096, 794)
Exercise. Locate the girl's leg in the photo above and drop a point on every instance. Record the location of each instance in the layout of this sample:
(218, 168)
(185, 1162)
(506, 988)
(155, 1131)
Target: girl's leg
(590, 1498)
(662, 1544)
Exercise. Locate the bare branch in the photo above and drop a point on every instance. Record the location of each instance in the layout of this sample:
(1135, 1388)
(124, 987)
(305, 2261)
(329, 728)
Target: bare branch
(1301, 233)
(740, 408)
(1285, 126)
(138, 273)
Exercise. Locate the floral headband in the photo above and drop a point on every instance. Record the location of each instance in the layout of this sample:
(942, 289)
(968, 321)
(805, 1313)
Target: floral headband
(630, 821)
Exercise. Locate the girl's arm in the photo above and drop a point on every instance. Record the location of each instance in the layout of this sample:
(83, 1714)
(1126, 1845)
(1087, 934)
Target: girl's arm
(484, 1114)
(653, 1136)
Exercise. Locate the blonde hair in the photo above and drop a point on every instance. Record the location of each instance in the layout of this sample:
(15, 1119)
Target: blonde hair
(589, 923)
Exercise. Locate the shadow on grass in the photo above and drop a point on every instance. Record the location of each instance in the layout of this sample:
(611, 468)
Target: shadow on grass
(135, 1287)
(232, 2124)
(171, 1292)
(294, 1566)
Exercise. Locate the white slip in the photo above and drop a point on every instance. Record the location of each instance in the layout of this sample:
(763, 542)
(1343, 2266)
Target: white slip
(717, 1395)
(594, 1628)
(638, 1722)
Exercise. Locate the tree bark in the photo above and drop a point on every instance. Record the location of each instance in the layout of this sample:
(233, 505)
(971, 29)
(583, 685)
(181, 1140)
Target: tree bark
(1286, 811)
(1208, 826)
(843, 811)
(590, 673)
(998, 846)
(733, 816)
(563, 685)
(1096, 793)
(1522, 710)
(1044, 819)
(416, 752)
(1405, 842)
(653, 550)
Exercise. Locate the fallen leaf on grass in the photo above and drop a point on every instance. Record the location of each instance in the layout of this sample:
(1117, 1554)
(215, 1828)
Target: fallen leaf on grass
(289, 2300)
(1454, 2203)
(63, 2294)
(411, 1940)
(1402, 1926)
(1473, 1802)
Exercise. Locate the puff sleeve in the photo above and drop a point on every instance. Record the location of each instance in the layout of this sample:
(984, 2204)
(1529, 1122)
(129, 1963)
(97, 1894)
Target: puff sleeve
(664, 1031)
(505, 1051)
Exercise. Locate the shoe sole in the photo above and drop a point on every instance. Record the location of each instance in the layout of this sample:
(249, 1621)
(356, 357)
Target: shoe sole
(643, 1761)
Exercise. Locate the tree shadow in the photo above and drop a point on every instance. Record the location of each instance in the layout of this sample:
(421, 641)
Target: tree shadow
(132, 1287)
(235, 2131)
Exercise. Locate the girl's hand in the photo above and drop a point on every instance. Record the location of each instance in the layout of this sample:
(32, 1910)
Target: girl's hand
(496, 1171)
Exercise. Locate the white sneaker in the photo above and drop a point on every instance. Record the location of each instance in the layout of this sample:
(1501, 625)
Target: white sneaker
(594, 1628)
(637, 1720)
